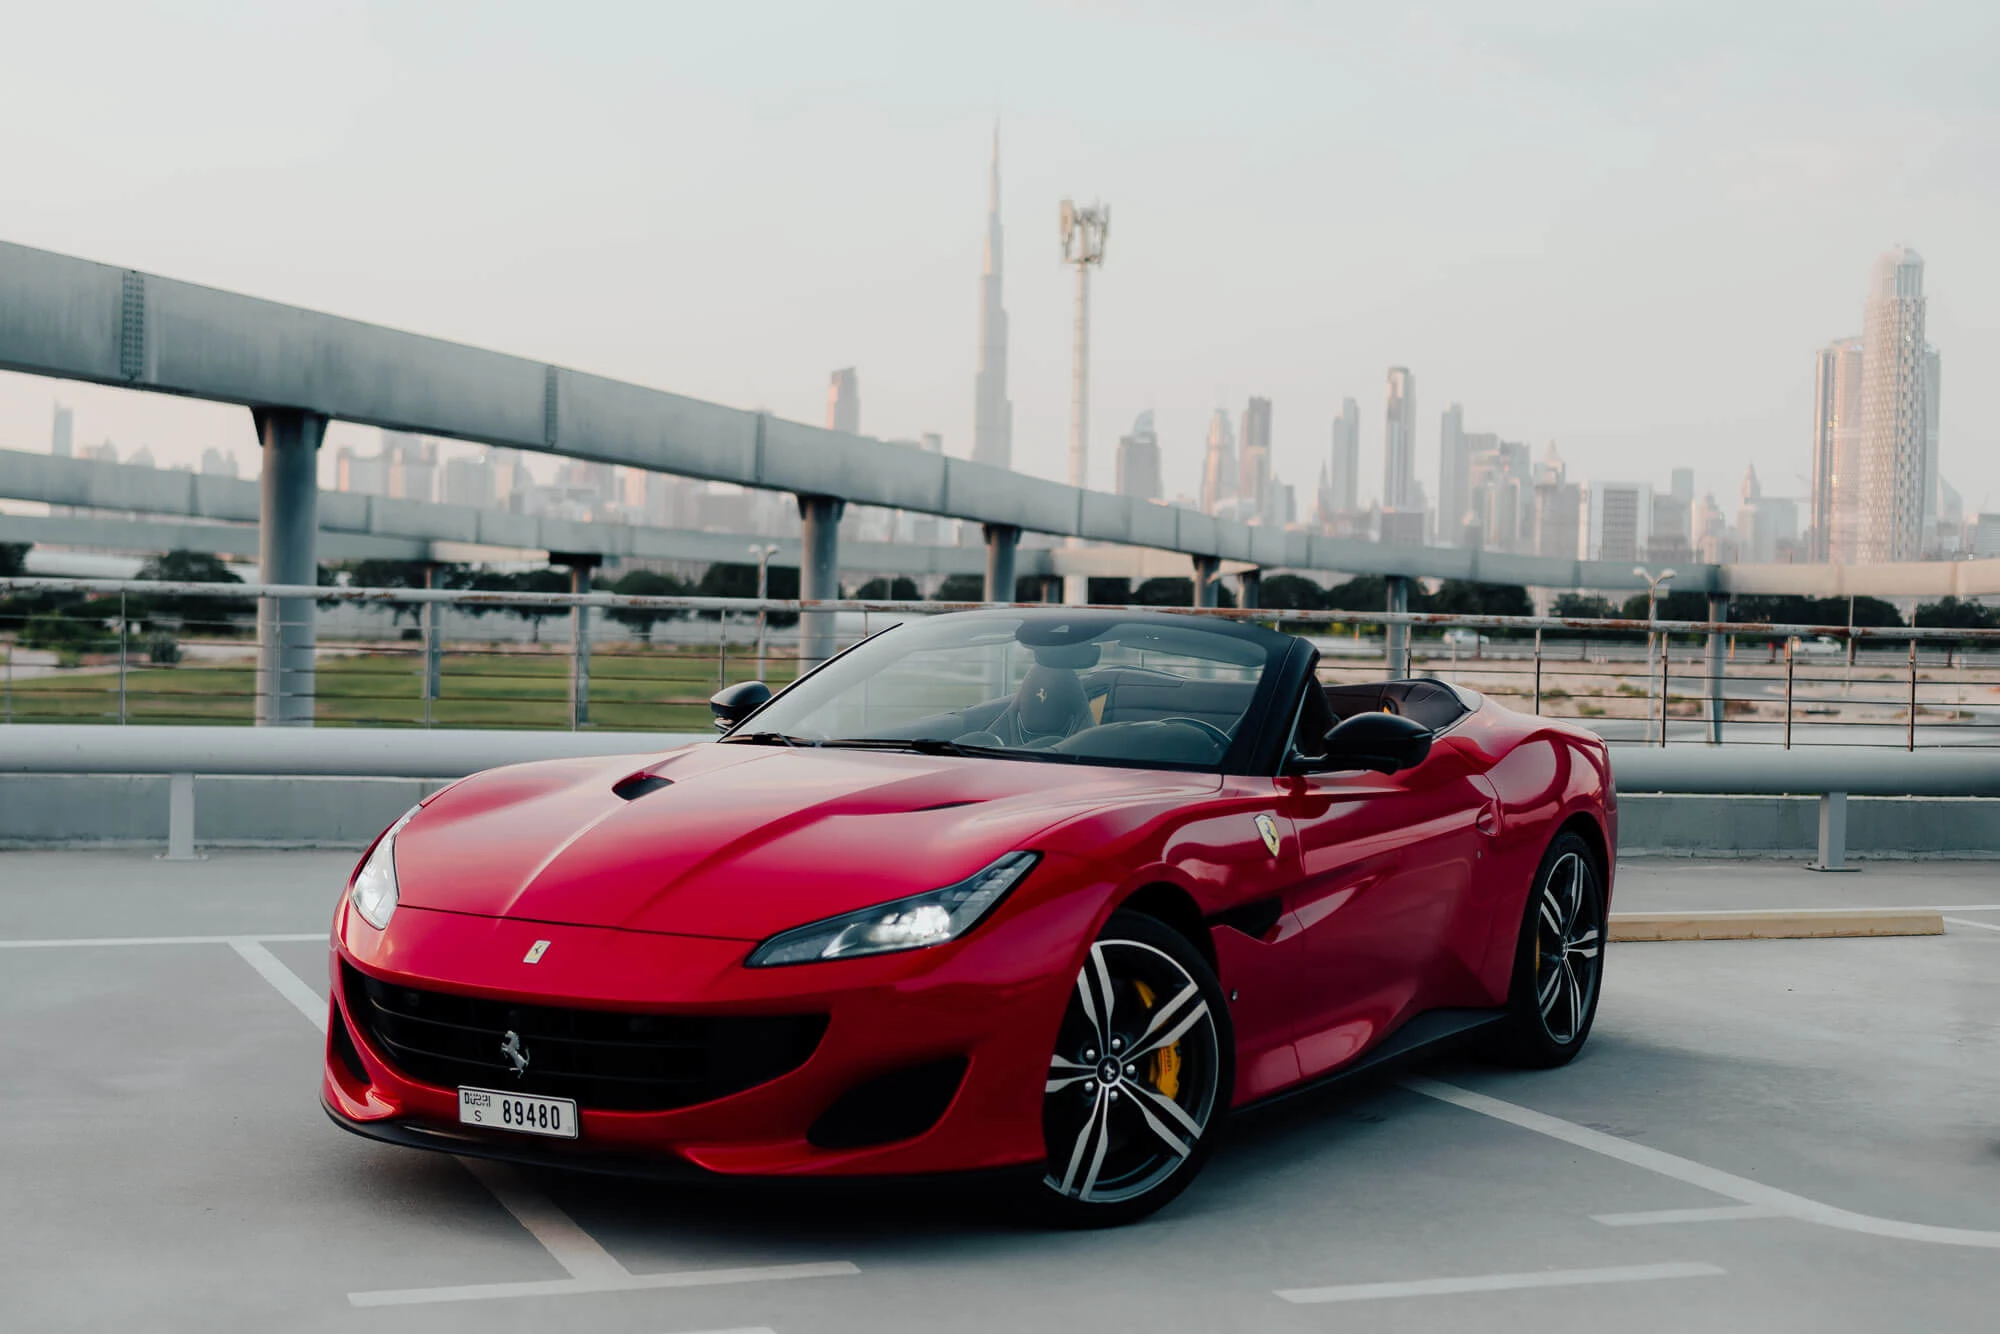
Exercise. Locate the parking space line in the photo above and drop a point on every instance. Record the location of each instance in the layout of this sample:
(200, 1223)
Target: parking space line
(573, 1248)
(90, 942)
(284, 979)
(571, 1287)
(1674, 1167)
(591, 1268)
(1720, 1214)
(1546, 1278)
(1964, 921)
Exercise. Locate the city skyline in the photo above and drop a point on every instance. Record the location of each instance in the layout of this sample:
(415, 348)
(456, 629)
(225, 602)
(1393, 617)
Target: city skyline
(1550, 314)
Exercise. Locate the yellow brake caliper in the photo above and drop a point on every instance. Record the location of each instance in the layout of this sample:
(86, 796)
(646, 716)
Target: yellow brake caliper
(1163, 1067)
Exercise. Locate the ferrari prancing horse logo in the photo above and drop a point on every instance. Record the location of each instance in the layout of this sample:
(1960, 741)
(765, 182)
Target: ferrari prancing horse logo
(1269, 829)
(535, 952)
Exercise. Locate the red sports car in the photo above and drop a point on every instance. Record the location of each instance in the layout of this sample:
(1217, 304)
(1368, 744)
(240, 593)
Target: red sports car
(1050, 890)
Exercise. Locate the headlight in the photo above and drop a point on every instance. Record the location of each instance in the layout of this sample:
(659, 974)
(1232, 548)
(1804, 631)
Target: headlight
(374, 892)
(906, 924)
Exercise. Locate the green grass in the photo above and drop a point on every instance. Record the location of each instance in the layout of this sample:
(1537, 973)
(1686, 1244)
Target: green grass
(629, 691)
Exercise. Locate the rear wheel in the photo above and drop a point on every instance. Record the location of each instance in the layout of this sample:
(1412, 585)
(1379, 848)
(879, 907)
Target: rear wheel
(1140, 1079)
(1558, 961)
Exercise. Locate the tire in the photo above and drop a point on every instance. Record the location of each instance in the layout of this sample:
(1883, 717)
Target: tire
(1551, 1006)
(1131, 1110)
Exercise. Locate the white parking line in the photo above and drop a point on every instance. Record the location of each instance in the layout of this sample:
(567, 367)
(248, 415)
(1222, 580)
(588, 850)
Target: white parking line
(90, 942)
(1964, 921)
(1726, 1184)
(1546, 1278)
(1720, 1214)
(573, 1287)
(591, 1268)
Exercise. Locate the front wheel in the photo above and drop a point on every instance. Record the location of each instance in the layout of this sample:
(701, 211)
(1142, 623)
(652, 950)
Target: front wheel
(1140, 1079)
(1559, 960)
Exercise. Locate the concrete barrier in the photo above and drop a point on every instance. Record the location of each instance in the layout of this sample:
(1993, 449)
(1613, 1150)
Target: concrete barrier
(1682, 825)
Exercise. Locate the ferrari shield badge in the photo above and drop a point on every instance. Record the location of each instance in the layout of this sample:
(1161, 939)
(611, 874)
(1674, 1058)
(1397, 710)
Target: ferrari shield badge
(536, 951)
(1269, 829)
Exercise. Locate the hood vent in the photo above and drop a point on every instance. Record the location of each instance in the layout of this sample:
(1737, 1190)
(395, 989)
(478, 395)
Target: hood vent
(634, 786)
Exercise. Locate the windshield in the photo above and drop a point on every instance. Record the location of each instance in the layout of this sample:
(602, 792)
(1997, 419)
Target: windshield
(1099, 687)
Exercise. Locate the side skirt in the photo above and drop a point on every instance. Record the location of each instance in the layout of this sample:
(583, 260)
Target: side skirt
(1425, 1034)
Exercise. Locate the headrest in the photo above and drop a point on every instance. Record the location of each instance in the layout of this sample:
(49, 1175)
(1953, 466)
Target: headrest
(1049, 700)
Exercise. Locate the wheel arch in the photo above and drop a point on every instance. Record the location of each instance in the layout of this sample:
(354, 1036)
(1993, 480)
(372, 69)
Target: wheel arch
(1174, 908)
(1586, 827)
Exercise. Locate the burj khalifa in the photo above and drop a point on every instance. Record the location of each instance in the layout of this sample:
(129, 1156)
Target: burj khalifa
(992, 413)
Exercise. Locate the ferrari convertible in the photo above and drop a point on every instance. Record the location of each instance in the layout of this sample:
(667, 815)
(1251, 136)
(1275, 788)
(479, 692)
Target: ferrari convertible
(1047, 892)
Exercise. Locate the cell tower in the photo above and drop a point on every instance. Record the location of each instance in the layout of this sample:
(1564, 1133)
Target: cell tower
(1083, 233)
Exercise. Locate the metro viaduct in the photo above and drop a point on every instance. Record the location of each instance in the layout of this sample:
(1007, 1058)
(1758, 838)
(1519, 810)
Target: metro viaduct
(297, 369)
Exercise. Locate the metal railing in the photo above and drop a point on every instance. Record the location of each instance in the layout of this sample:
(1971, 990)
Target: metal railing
(138, 651)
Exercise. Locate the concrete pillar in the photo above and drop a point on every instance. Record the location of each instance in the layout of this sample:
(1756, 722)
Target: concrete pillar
(287, 553)
(819, 575)
(579, 649)
(1249, 585)
(1397, 637)
(1205, 568)
(1718, 609)
(1002, 544)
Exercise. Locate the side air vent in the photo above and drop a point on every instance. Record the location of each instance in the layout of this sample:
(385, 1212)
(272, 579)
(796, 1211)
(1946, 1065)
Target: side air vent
(1253, 919)
(634, 786)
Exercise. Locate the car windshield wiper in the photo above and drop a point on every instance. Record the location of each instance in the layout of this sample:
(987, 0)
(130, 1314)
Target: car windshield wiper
(766, 739)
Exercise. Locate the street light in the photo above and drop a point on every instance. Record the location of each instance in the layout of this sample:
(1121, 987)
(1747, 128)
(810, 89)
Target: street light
(1653, 583)
(763, 554)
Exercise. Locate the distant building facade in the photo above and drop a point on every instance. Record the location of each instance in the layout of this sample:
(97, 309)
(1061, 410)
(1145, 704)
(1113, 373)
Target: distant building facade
(1621, 520)
(1895, 443)
(992, 413)
(1253, 477)
(62, 438)
(1399, 441)
(1344, 474)
(1139, 460)
(1218, 468)
(1454, 477)
(1835, 502)
(843, 402)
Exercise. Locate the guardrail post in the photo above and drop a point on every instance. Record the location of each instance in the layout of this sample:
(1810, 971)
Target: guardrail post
(1718, 609)
(1912, 743)
(1832, 834)
(180, 819)
(1538, 673)
(1002, 543)
(580, 564)
(287, 537)
(1790, 659)
(1395, 635)
(1666, 656)
(430, 614)
(123, 625)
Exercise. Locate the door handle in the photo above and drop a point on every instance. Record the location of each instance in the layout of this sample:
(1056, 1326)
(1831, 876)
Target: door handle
(1488, 820)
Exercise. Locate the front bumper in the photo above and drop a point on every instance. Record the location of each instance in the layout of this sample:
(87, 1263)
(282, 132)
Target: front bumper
(993, 1000)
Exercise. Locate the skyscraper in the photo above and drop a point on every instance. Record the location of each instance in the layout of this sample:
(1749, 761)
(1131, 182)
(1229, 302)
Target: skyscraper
(843, 402)
(1454, 478)
(1218, 469)
(1399, 440)
(1139, 460)
(992, 413)
(62, 443)
(1836, 444)
(1932, 373)
(1253, 476)
(1344, 482)
(1621, 520)
(1894, 438)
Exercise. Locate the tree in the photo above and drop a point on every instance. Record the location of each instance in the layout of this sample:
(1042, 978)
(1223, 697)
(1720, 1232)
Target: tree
(1465, 598)
(196, 610)
(961, 588)
(1791, 609)
(1290, 592)
(1953, 614)
(1583, 606)
(1367, 592)
(1176, 593)
(1108, 591)
(726, 579)
(900, 589)
(14, 559)
(375, 572)
(646, 584)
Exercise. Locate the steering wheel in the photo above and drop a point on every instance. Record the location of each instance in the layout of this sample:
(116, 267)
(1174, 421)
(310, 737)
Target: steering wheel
(1222, 738)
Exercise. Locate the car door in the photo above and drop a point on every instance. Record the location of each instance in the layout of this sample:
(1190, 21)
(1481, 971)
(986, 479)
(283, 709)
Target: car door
(1385, 861)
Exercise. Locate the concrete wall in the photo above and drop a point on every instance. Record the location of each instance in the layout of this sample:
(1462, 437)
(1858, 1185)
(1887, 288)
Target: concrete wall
(75, 809)
(1880, 827)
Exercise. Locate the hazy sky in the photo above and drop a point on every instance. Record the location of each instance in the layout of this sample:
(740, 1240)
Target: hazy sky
(1622, 228)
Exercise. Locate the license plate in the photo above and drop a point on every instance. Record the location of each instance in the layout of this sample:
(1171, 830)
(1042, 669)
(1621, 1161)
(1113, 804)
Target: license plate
(496, 1109)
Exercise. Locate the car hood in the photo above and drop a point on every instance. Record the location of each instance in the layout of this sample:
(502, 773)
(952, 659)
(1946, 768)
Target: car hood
(740, 841)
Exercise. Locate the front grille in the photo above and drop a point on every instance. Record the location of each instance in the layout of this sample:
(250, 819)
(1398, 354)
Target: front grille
(606, 1059)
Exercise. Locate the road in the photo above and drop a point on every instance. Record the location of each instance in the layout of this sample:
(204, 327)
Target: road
(1780, 1135)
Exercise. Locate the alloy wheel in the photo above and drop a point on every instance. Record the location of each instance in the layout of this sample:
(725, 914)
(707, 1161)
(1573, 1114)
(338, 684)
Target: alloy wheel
(1132, 1085)
(1569, 947)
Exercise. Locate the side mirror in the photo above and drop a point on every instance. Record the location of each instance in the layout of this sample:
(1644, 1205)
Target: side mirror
(1384, 742)
(732, 704)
